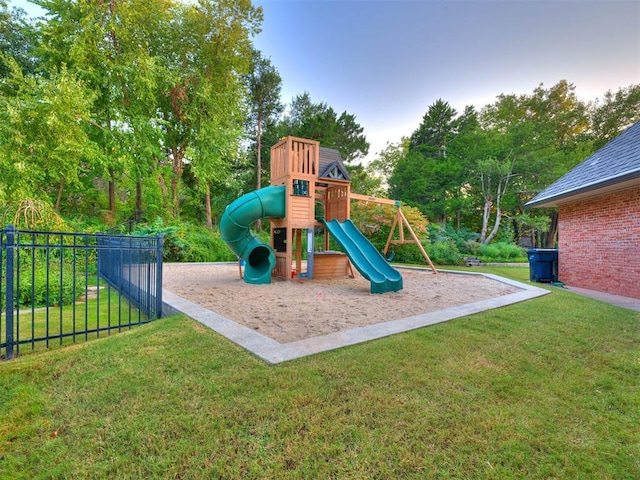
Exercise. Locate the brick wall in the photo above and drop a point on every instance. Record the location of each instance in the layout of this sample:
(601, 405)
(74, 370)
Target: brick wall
(599, 243)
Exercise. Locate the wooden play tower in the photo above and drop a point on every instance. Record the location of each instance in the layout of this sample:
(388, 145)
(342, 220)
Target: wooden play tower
(295, 163)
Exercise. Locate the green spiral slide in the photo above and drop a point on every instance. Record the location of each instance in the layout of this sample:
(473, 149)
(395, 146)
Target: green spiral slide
(260, 260)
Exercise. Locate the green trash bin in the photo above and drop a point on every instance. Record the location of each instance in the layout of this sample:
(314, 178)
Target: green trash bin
(543, 265)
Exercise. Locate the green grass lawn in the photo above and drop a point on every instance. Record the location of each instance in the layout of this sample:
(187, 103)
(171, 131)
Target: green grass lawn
(548, 388)
(112, 314)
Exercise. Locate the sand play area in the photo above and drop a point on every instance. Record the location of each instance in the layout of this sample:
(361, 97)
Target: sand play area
(298, 309)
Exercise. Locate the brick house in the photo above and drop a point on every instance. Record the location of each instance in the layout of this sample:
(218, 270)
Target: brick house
(598, 206)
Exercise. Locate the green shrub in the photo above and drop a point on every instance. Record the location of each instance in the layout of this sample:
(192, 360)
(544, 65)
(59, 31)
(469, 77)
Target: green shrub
(467, 246)
(501, 252)
(444, 253)
(189, 243)
(37, 291)
(461, 237)
(490, 251)
(205, 247)
(32, 214)
(471, 248)
(405, 254)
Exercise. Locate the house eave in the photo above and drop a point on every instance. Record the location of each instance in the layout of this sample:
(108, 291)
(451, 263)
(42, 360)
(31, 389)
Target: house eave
(587, 191)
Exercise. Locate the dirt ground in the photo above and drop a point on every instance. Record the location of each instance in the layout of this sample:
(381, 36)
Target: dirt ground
(297, 309)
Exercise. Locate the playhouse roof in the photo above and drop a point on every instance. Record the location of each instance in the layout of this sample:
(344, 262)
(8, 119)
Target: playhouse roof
(613, 167)
(331, 164)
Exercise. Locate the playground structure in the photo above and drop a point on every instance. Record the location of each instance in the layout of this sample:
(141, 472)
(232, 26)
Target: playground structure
(310, 192)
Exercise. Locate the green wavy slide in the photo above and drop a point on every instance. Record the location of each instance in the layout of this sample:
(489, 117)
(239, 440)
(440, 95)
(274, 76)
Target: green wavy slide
(365, 257)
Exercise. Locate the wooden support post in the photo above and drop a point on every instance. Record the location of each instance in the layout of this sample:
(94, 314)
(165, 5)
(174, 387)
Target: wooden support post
(417, 241)
(401, 221)
(393, 229)
(298, 251)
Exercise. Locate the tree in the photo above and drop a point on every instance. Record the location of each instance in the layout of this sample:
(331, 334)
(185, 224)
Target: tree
(546, 132)
(320, 122)
(164, 74)
(441, 170)
(206, 50)
(17, 40)
(264, 85)
(43, 142)
(107, 45)
(437, 129)
(419, 181)
(363, 182)
(614, 114)
(494, 178)
(385, 163)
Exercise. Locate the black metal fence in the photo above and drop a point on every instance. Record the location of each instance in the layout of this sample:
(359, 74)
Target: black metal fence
(69, 287)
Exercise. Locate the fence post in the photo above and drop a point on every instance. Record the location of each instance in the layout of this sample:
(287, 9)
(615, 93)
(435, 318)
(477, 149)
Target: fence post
(9, 293)
(159, 251)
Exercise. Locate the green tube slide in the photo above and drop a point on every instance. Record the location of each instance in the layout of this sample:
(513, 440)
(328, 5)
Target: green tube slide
(260, 260)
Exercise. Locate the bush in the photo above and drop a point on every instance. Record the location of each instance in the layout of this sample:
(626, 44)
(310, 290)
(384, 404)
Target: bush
(405, 254)
(32, 214)
(189, 243)
(439, 233)
(445, 238)
(489, 252)
(501, 252)
(37, 291)
(444, 253)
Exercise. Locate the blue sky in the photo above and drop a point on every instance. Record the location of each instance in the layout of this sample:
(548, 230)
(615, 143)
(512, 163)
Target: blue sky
(386, 61)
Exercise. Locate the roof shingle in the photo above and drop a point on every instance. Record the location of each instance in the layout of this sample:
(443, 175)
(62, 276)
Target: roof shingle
(617, 162)
(330, 160)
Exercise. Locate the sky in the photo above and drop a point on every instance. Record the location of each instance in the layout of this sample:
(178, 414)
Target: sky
(387, 61)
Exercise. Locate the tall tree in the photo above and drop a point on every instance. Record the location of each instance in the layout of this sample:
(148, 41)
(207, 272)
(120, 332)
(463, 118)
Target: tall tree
(546, 132)
(163, 72)
(437, 129)
(206, 50)
(42, 137)
(422, 182)
(614, 114)
(386, 161)
(440, 173)
(494, 175)
(17, 40)
(264, 85)
(318, 121)
(106, 44)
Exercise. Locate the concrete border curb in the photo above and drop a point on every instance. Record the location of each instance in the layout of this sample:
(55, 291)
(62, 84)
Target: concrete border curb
(274, 352)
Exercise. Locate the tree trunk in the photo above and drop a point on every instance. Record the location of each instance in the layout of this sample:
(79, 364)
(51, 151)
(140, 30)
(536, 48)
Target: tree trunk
(175, 201)
(177, 174)
(496, 225)
(207, 207)
(139, 200)
(502, 188)
(259, 164)
(259, 154)
(59, 197)
(485, 220)
(163, 186)
(553, 231)
(112, 192)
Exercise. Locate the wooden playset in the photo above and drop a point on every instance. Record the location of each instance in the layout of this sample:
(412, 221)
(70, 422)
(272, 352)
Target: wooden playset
(318, 190)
